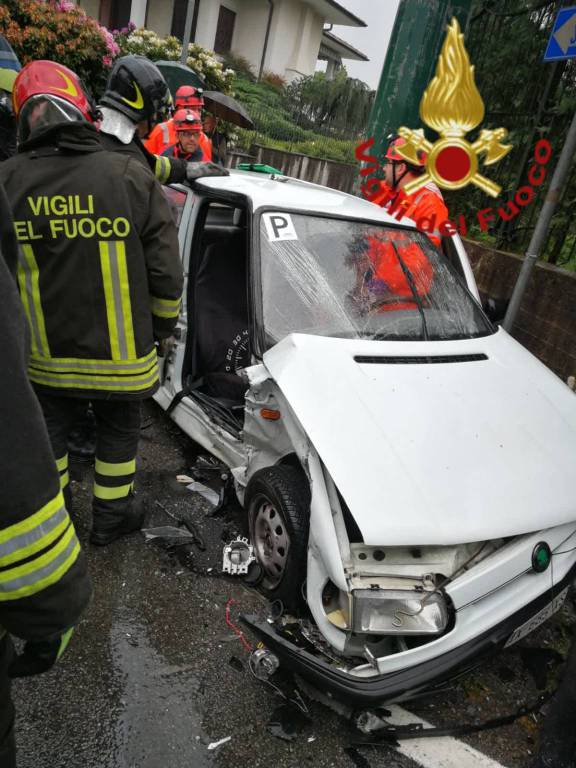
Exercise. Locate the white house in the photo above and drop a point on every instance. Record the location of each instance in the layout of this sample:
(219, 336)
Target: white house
(284, 36)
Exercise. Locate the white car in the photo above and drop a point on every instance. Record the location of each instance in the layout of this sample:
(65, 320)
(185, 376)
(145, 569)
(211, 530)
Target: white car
(407, 468)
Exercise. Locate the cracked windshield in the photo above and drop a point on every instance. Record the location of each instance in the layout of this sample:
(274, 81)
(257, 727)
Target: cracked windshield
(348, 279)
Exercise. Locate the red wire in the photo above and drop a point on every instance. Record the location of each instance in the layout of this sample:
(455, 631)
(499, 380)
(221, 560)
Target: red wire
(233, 626)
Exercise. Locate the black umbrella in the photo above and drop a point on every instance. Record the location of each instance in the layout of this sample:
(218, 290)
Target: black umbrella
(227, 108)
(177, 74)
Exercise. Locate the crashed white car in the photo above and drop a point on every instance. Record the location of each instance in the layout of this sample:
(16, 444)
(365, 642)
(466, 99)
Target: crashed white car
(407, 468)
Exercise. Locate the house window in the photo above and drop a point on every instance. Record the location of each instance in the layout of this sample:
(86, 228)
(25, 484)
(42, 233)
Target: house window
(224, 30)
(179, 19)
(115, 14)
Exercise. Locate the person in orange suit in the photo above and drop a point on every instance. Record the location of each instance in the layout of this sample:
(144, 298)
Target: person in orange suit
(164, 134)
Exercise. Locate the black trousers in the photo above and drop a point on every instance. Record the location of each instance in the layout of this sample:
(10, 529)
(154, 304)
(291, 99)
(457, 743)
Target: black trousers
(7, 743)
(117, 433)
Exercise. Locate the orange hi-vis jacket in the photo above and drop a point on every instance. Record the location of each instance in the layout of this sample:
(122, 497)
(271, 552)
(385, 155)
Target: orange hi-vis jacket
(425, 207)
(164, 135)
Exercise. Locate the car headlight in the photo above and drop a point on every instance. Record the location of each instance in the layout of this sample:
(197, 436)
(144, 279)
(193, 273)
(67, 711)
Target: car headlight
(398, 612)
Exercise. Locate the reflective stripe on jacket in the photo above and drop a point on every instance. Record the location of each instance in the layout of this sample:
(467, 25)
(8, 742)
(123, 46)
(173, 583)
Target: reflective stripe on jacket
(99, 272)
(44, 584)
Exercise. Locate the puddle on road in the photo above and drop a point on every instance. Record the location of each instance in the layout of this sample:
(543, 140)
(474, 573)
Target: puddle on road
(161, 721)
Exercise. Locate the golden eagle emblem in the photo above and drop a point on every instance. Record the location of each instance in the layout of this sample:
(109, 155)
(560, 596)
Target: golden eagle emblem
(452, 106)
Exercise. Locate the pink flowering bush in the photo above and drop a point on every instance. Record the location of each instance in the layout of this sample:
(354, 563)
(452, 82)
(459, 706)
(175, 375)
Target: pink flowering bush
(60, 31)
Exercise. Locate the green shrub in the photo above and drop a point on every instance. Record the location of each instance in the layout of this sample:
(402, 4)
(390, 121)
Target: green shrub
(240, 64)
(274, 81)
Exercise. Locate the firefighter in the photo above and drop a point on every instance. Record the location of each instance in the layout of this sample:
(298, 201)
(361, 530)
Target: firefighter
(100, 279)
(188, 128)
(135, 100)
(44, 584)
(163, 135)
(426, 203)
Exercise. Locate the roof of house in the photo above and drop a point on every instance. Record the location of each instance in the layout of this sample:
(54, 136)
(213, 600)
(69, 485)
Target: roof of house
(335, 13)
(343, 49)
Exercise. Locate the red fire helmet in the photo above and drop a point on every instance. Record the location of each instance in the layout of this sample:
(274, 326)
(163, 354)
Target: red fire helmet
(188, 96)
(47, 78)
(186, 120)
(392, 153)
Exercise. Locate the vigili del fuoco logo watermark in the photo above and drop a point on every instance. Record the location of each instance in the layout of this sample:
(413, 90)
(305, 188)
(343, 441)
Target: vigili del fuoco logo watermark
(452, 106)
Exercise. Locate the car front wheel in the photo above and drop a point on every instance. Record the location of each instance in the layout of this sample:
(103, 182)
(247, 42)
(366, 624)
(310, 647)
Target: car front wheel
(278, 505)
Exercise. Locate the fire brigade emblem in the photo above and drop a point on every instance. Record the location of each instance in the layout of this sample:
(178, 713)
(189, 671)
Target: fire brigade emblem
(452, 106)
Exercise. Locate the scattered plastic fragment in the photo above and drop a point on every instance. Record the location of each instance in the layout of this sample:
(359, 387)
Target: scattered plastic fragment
(167, 532)
(311, 739)
(236, 664)
(216, 744)
(237, 557)
(287, 722)
(184, 479)
(210, 495)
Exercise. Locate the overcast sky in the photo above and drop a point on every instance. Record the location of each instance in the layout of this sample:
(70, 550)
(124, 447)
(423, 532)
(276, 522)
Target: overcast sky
(372, 40)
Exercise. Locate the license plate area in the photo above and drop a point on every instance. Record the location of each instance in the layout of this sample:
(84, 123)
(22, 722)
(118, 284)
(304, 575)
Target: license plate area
(538, 618)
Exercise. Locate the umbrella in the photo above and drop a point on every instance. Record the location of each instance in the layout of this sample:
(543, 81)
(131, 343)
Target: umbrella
(227, 108)
(177, 74)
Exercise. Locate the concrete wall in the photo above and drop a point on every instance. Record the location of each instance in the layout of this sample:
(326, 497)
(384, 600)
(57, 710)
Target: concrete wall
(294, 41)
(250, 31)
(546, 323)
(326, 172)
(159, 16)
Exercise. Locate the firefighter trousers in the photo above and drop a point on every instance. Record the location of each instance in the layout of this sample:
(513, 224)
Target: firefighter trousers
(7, 743)
(117, 433)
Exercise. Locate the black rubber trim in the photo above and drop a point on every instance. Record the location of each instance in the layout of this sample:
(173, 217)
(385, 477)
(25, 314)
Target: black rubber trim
(401, 683)
(418, 360)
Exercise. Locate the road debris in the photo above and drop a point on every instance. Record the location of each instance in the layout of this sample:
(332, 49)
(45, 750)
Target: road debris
(237, 556)
(215, 744)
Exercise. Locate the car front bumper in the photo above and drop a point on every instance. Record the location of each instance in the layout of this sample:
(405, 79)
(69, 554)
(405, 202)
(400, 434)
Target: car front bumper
(409, 681)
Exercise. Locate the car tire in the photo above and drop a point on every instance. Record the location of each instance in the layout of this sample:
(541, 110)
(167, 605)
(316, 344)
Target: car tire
(278, 505)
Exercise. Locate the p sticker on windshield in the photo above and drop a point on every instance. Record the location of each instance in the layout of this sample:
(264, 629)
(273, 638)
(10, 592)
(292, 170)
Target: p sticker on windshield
(279, 226)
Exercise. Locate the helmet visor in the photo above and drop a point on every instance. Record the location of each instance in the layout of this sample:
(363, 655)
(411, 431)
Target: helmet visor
(41, 112)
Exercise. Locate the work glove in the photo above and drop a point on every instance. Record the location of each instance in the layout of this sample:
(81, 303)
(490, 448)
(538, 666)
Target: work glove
(39, 655)
(199, 170)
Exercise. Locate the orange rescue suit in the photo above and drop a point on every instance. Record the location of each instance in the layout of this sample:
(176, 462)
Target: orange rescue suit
(388, 275)
(424, 205)
(164, 135)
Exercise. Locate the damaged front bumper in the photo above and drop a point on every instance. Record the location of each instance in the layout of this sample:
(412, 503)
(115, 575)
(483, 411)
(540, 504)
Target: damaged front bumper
(407, 682)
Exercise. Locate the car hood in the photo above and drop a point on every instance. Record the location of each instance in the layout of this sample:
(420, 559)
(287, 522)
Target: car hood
(478, 444)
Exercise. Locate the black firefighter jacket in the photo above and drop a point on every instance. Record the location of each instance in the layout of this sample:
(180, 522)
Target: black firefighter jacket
(99, 272)
(44, 584)
(167, 170)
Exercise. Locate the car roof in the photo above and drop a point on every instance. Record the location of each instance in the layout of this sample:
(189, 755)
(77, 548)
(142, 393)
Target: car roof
(274, 191)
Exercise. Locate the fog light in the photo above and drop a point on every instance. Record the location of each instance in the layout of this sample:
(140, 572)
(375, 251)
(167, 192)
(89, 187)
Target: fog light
(541, 556)
(398, 612)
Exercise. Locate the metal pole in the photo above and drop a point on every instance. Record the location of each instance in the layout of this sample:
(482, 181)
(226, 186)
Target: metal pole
(542, 225)
(187, 32)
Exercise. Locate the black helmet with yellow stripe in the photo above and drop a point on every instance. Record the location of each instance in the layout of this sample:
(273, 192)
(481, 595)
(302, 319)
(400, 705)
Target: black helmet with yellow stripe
(137, 88)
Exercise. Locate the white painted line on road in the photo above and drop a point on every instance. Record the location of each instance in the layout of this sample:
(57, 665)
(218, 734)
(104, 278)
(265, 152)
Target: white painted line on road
(440, 752)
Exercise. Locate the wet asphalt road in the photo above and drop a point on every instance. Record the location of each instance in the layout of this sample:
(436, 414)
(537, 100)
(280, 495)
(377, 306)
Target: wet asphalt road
(154, 675)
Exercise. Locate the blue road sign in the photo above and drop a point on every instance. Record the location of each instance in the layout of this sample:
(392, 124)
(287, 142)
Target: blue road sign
(562, 43)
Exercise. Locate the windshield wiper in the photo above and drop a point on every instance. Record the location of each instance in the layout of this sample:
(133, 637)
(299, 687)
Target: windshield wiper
(412, 284)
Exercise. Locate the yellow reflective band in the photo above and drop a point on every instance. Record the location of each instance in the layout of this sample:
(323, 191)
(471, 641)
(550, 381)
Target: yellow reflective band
(162, 169)
(136, 366)
(62, 463)
(125, 300)
(35, 520)
(109, 297)
(64, 480)
(26, 541)
(100, 383)
(43, 571)
(115, 469)
(109, 494)
(168, 308)
(28, 279)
